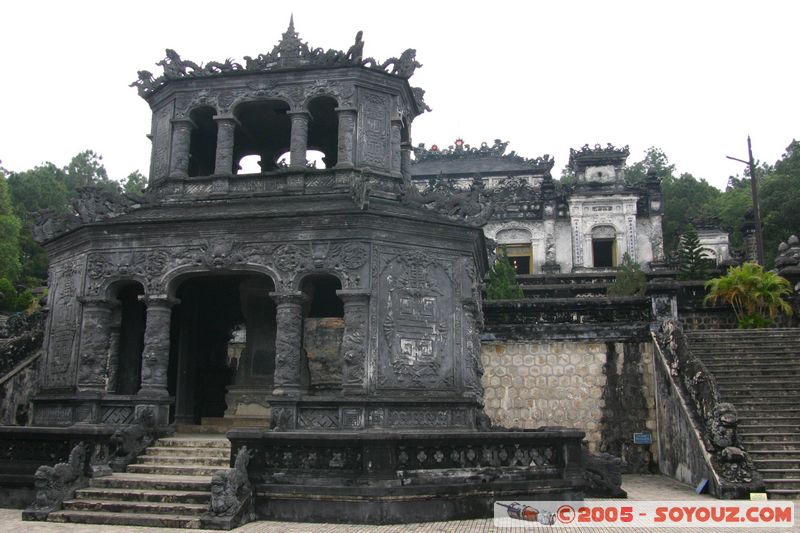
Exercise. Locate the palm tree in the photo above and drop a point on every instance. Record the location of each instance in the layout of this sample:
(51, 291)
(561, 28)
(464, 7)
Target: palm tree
(755, 295)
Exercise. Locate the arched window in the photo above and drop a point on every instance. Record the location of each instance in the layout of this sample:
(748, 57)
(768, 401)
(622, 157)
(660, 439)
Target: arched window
(323, 328)
(264, 130)
(203, 147)
(323, 130)
(604, 247)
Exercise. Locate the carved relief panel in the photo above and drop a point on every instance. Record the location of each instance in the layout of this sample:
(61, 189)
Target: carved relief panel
(415, 314)
(373, 129)
(161, 138)
(62, 335)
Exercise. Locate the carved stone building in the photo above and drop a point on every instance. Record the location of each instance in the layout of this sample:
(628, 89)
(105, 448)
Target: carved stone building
(544, 226)
(315, 301)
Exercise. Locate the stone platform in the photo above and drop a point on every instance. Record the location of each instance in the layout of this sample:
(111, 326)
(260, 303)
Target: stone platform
(398, 477)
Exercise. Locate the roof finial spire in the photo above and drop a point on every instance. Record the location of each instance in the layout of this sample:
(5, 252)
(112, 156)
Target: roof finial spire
(291, 23)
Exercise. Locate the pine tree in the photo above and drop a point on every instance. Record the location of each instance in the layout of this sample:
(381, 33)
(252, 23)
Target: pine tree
(502, 283)
(693, 263)
(630, 280)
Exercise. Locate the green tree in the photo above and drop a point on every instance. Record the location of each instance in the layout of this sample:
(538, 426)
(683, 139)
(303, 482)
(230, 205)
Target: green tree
(86, 169)
(630, 280)
(10, 226)
(43, 187)
(502, 284)
(755, 295)
(686, 200)
(636, 174)
(135, 183)
(778, 199)
(693, 262)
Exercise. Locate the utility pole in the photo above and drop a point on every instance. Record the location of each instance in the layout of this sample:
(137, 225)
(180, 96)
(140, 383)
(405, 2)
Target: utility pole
(754, 193)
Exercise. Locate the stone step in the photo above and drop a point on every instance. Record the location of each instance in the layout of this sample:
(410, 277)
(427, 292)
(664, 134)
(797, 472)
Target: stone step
(144, 495)
(126, 519)
(195, 441)
(783, 494)
(774, 463)
(150, 508)
(757, 372)
(178, 460)
(765, 437)
(749, 410)
(186, 452)
(778, 428)
(771, 445)
(777, 454)
(756, 381)
(739, 358)
(782, 483)
(762, 390)
(175, 469)
(780, 473)
(766, 421)
(744, 365)
(127, 480)
(762, 403)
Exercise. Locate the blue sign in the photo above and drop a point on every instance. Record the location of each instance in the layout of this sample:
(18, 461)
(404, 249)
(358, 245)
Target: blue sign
(643, 437)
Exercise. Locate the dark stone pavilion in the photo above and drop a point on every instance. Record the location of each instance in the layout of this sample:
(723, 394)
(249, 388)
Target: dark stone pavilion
(329, 316)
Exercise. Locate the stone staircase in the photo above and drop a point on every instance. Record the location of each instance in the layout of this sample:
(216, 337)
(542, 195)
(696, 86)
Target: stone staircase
(758, 371)
(168, 486)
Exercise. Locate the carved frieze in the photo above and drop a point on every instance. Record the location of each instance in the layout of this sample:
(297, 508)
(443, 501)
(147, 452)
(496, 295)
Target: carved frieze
(373, 129)
(152, 266)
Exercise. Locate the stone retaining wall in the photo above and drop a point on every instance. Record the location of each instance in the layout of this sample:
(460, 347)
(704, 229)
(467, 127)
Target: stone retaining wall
(530, 384)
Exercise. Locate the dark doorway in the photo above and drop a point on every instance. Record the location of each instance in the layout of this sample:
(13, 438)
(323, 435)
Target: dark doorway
(209, 318)
(603, 253)
(130, 343)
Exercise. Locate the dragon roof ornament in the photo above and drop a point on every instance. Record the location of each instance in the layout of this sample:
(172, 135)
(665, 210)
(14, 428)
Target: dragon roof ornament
(597, 155)
(460, 150)
(290, 52)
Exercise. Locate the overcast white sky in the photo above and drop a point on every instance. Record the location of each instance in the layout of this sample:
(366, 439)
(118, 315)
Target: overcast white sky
(691, 77)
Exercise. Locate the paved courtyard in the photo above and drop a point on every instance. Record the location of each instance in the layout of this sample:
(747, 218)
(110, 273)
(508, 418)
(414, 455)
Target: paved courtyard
(639, 488)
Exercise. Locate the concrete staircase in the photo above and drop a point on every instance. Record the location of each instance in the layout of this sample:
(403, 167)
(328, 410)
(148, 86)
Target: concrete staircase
(758, 371)
(168, 486)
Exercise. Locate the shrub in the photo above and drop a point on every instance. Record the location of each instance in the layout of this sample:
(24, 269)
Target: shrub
(630, 280)
(756, 296)
(502, 284)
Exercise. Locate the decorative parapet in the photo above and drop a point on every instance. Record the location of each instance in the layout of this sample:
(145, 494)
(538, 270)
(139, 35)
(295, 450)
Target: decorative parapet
(600, 319)
(460, 150)
(788, 261)
(589, 156)
(290, 52)
(717, 420)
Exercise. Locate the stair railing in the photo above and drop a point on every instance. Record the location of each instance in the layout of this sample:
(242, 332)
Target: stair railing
(716, 420)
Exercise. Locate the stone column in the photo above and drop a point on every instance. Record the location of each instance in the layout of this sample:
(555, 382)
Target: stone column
(95, 343)
(396, 136)
(299, 138)
(181, 143)
(289, 364)
(354, 340)
(223, 162)
(405, 158)
(155, 355)
(347, 136)
(113, 355)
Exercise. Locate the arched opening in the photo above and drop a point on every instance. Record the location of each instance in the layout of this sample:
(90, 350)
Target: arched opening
(203, 147)
(222, 350)
(323, 328)
(314, 159)
(264, 130)
(250, 164)
(323, 130)
(131, 315)
(604, 247)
